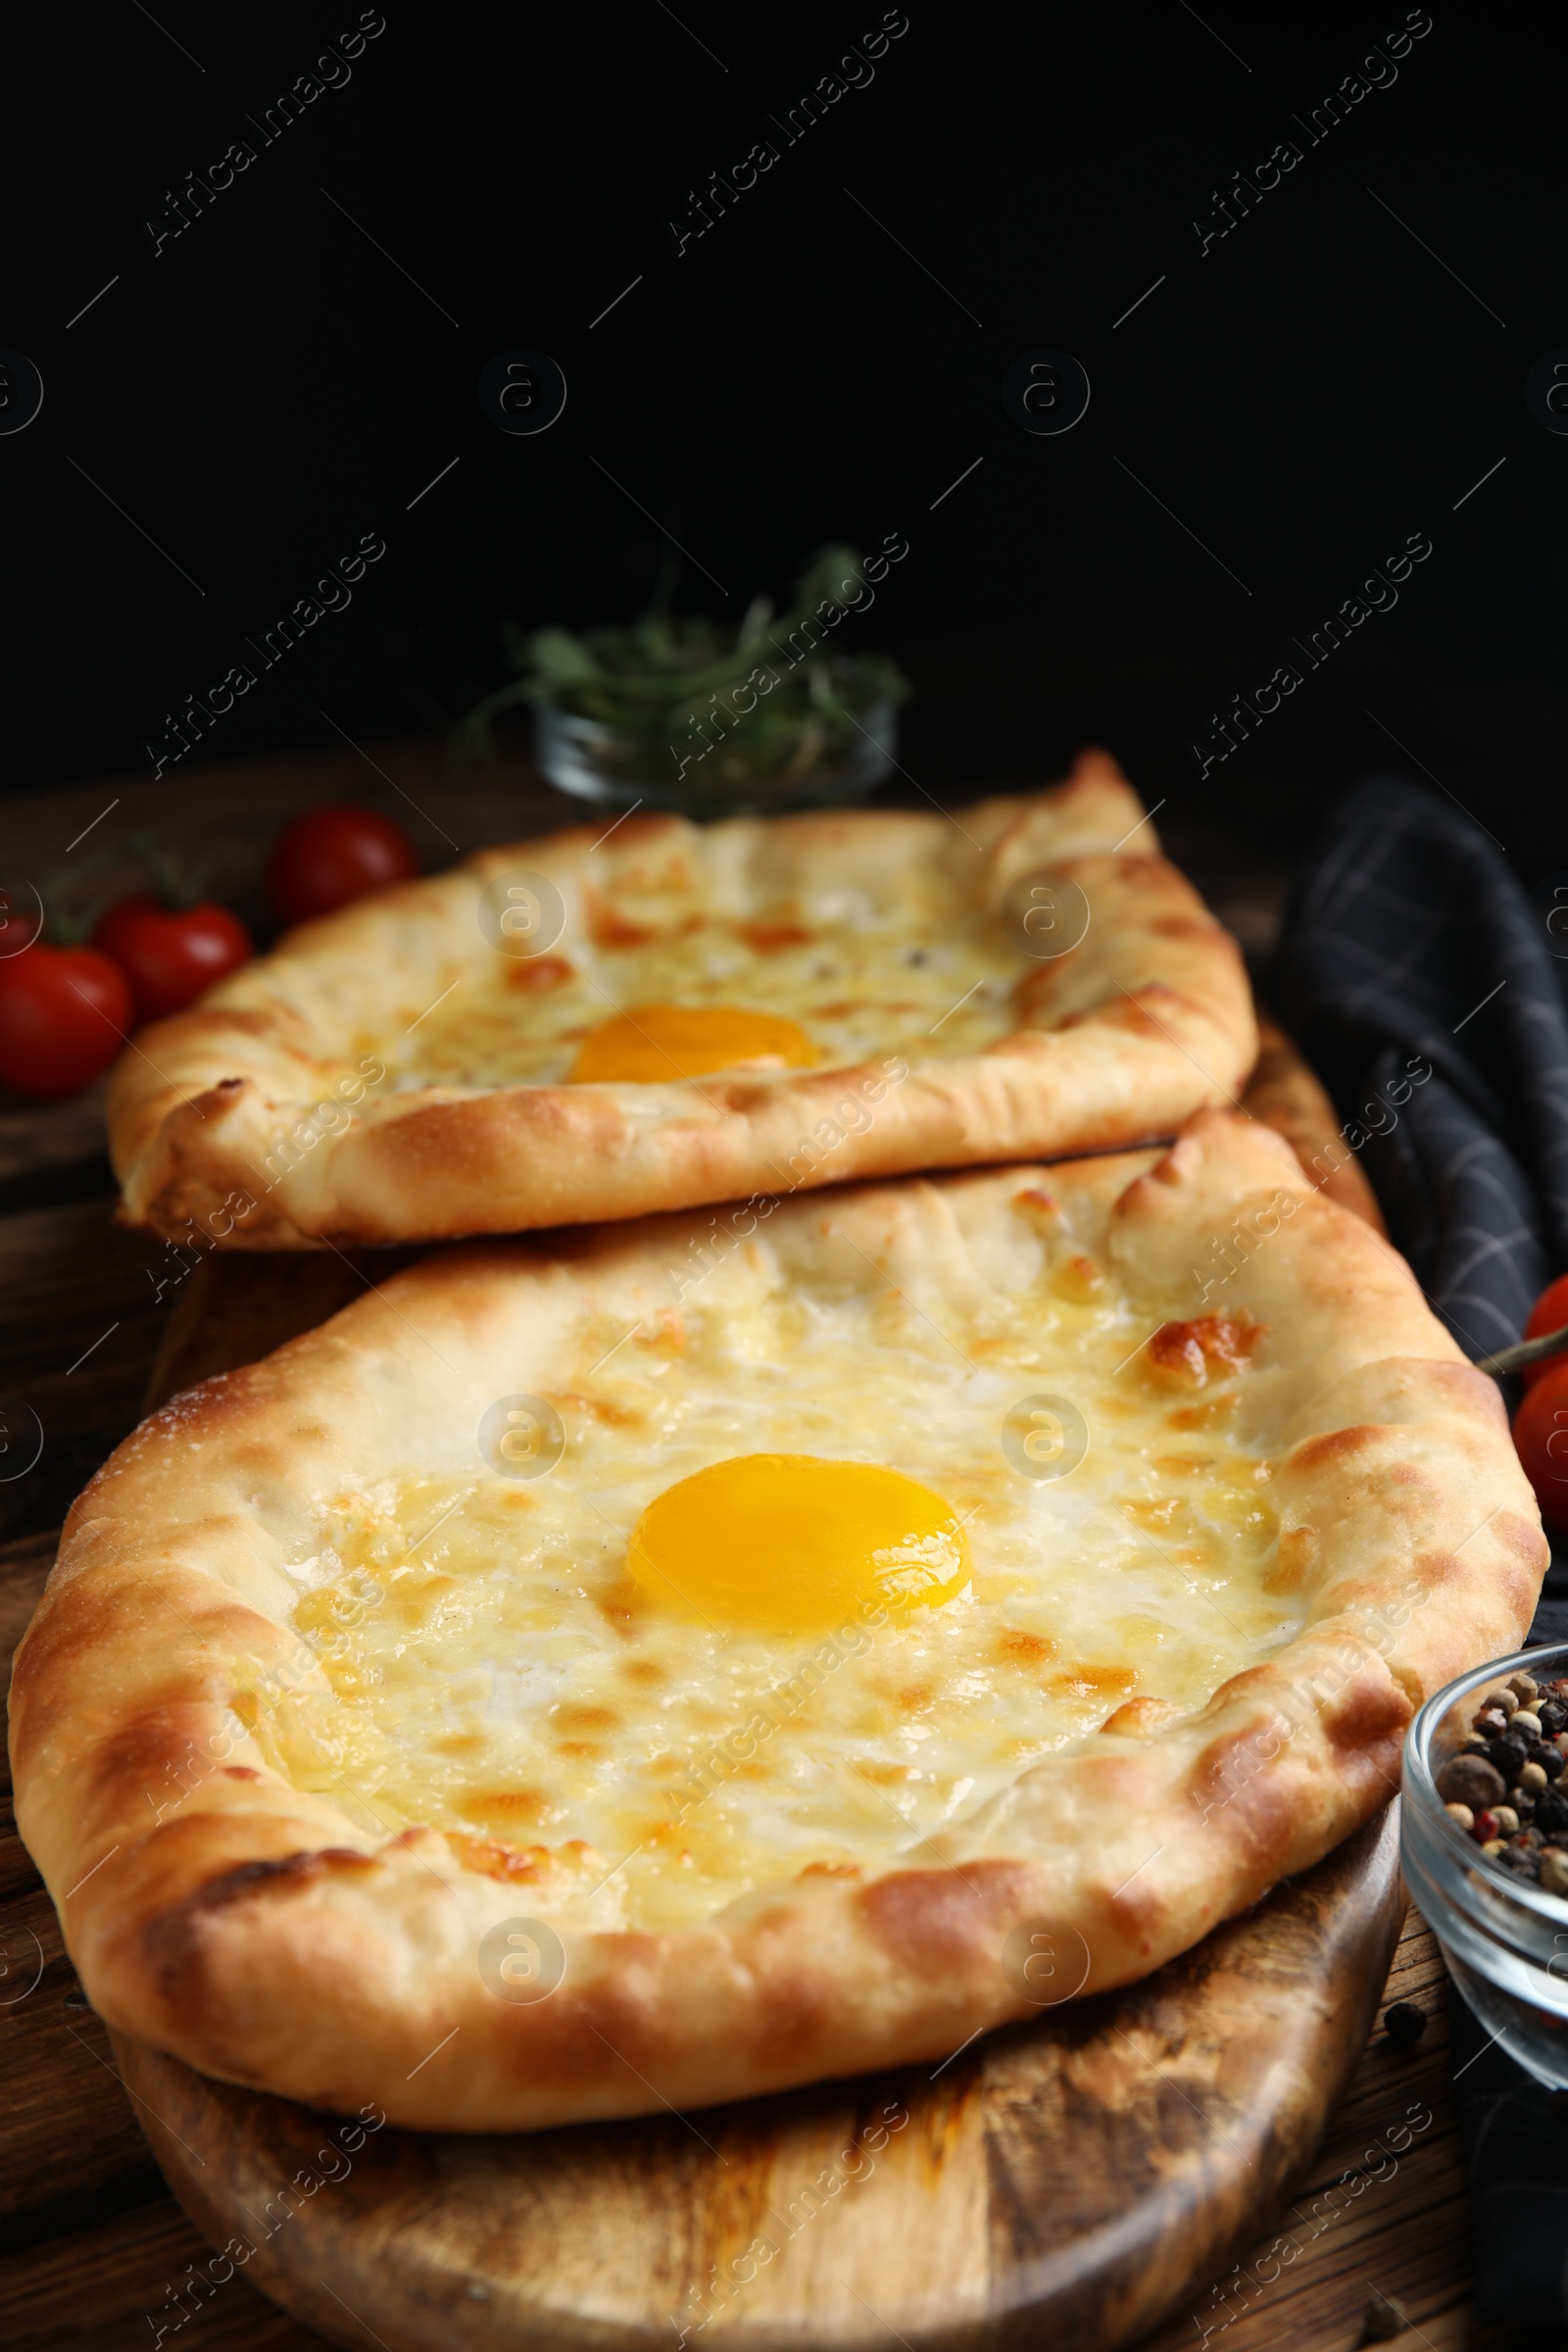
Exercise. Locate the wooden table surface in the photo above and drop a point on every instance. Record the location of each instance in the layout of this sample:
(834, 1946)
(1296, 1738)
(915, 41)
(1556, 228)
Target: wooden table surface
(92, 2246)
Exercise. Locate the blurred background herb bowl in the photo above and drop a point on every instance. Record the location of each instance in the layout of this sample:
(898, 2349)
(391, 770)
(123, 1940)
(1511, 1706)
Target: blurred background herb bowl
(687, 715)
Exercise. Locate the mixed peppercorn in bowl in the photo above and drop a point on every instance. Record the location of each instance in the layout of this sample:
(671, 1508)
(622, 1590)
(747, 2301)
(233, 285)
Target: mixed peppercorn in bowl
(1501, 1787)
(1484, 1839)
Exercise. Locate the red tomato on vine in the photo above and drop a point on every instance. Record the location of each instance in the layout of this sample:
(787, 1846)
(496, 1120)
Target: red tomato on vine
(1540, 1434)
(333, 855)
(65, 1012)
(170, 955)
(1549, 1313)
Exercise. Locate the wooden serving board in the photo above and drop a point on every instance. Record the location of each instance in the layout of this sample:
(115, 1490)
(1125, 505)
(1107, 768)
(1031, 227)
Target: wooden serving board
(1075, 2179)
(1069, 2182)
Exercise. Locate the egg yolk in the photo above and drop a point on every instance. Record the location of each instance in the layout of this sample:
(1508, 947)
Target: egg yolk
(657, 1044)
(785, 1542)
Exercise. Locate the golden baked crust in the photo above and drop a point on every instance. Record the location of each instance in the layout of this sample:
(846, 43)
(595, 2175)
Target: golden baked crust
(253, 1926)
(344, 1089)
(1286, 1096)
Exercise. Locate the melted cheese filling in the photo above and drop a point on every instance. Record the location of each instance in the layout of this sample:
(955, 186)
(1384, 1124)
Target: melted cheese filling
(852, 978)
(503, 1670)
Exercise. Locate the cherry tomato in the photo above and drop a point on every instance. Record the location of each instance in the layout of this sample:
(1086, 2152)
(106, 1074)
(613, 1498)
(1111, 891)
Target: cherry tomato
(1549, 1313)
(170, 955)
(64, 1015)
(333, 855)
(1540, 1434)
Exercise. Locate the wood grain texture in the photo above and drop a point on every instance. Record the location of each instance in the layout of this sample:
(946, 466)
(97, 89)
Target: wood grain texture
(1359, 2226)
(35, 1137)
(69, 2137)
(67, 2153)
(237, 1306)
(79, 1323)
(111, 2287)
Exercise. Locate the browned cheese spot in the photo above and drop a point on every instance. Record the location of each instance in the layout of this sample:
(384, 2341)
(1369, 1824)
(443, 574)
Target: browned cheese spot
(603, 1410)
(1154, 1516)
(666, 1331)
(609, 927)
(494, 1858)
(1205, 1415)
(620, 1604)
(1094, 1681)
(1298, 1557)
(535, 974)
(1021, 1649)
(522, 1806)
(1078, 1279)
(1208, 1347)
(1033, 1202)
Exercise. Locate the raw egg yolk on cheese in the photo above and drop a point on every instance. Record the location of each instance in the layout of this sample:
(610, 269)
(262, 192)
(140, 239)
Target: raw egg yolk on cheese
(657, 1044)
(788, 1543)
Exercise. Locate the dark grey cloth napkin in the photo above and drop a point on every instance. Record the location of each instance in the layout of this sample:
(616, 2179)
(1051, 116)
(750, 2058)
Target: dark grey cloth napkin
(1410, 944)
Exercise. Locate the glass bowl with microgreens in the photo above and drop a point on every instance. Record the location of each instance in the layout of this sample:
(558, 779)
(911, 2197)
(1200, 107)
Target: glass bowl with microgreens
(705, 717)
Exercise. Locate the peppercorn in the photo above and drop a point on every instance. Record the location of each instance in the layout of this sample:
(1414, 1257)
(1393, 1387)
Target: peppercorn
(1533, 1778)
(1486, 1826)
(1405, 2023)
(1506, 1818)
(1553, 1870)
(1550, 1761)
(1509, 1755)
(1491, 1722)
(1472, 1780)
(1461, 1816)
(1525, 1687)
(1554, 1716)
(1527, 1720)
(1493, 1848)
(1385, 2317)
(1551, 1810)
(1520, 1860)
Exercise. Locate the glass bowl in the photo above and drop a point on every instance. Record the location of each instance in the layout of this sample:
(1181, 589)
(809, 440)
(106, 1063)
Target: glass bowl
(1505, 1940)
(621, 766)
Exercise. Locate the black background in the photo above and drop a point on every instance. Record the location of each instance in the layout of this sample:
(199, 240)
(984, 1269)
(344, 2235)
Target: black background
(1305, 395)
